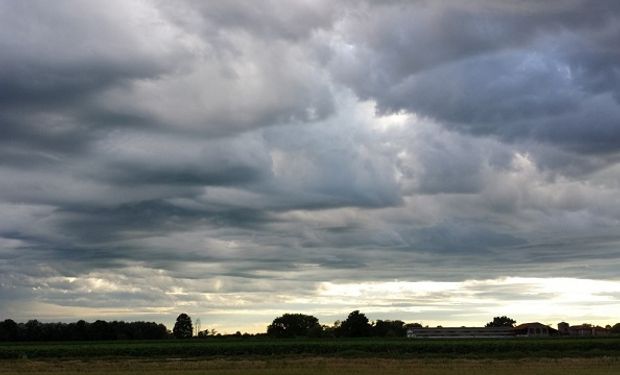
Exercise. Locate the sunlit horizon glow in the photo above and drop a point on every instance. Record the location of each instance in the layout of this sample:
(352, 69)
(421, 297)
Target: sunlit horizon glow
(432, 303)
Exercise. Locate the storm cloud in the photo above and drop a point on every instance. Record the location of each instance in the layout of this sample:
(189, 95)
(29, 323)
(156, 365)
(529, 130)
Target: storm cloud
(231, 157)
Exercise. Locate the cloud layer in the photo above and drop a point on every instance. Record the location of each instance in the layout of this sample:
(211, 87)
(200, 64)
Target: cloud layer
(170, 157)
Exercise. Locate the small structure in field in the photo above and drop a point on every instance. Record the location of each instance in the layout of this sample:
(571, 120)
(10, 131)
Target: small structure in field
(600, 331)
(534, 330)
(582, 330)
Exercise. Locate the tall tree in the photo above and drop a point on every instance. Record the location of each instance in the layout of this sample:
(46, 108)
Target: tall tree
(292, 325)
(183, 327)
(389, 328)
(356, 325)
(8, 330)
(501, 321)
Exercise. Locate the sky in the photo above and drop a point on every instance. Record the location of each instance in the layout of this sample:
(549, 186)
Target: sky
(441, 162)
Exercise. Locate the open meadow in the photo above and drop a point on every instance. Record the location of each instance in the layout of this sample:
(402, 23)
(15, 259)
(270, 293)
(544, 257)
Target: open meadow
(302, 356)
(307, 366)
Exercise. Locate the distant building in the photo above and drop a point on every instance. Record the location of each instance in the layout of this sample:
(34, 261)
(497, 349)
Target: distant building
(461, 332)
(580, 330)
(600, 331)
(523, 330)
(534, 330)
(585, 330)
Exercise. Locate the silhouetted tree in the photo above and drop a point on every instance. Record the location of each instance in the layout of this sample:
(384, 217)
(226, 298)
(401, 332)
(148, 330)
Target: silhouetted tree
(34, 330)
(207, 333)
(501, 321)
(389, 328)
(616, 328)
(292, 325)
(356, 325)
(8, 330)
(183, 327)
(413, 325)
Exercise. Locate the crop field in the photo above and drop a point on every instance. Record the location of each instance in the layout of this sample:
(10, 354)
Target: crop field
(253, 347)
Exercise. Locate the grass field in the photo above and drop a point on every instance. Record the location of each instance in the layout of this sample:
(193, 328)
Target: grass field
(385, 348)
(307, 366)
(296, 357)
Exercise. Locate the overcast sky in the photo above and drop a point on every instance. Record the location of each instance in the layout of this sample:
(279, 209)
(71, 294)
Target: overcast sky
(441, 162)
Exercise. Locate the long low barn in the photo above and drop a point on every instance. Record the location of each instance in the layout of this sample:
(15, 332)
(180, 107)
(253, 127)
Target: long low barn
(461, 332)
(523, 330)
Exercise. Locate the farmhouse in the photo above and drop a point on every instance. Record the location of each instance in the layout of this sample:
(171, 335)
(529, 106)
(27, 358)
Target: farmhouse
(582, 330)
(534, 330)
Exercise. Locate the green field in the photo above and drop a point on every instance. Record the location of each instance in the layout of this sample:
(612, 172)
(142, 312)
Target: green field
(386, 348)
(307, 366)
(331, 356)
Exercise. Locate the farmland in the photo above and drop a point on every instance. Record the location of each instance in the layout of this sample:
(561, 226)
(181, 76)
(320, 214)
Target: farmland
(316, 365)
(258, 347)
(302, 356)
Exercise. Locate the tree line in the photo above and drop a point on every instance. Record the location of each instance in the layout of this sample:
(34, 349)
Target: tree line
(285, 326)
(33, 330)
(355, 325)
(302, 325)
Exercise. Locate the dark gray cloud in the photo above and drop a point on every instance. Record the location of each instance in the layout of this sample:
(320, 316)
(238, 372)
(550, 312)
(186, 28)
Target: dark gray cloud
(513, 70)
(55, 60)
(162, 155)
